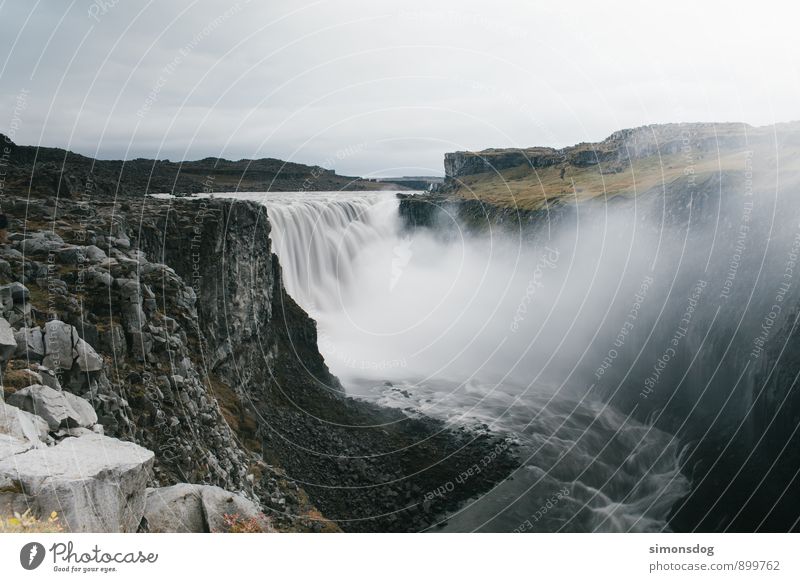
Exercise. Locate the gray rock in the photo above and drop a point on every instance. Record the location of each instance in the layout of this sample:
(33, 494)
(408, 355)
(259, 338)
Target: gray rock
(86, 413)
(56, 408)
(187, 508)
(112, 341)
(98, 277)
(141, 345)
(176, 509)
(95, 254)
(60, 339)
(217, 503)
(48, 377)
(23, 425)
(6, 341)
(70, 256)
(19, 292)
(65, 348)
(94, 483)
(40, 244)
(12, 446)
(30, 343)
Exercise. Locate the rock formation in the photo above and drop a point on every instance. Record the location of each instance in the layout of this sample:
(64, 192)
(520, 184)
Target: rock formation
(165, 323)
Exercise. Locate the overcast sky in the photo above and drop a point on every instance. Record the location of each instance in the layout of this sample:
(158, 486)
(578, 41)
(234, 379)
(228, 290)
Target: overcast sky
(370, 87)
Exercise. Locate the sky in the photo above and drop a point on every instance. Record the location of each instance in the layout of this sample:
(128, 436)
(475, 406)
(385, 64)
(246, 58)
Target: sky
(382, 88)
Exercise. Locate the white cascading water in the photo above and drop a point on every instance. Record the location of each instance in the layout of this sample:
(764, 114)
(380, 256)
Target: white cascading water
(479, 332)
(317, 237)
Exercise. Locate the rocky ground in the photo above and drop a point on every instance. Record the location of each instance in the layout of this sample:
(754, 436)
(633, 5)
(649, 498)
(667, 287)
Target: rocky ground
(153, 342)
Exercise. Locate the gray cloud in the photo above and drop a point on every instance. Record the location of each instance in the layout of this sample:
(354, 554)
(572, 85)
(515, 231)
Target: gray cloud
(381, 87)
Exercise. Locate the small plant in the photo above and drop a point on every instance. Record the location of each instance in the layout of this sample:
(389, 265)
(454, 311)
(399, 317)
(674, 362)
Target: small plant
(28, 523)
(234, 523)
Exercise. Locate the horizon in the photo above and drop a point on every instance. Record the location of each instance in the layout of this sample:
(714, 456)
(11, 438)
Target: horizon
(373, 90)
(440, 174)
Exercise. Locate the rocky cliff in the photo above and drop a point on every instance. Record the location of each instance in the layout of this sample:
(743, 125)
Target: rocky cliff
(627, 163)
(165, 323)
(614, 151)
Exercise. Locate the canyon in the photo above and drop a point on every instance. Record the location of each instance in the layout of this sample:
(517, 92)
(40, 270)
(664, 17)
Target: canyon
(619, 323)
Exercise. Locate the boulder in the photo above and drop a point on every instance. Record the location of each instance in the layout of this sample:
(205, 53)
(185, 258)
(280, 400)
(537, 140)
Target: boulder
(217, 503)
(23, 425)
(65, 348)
(176, 509)
(49, 378)
(6, 340)
(86, 413)
(39, 245)
(95, 483)
(188, 508)
(95, 254)
(59, 338)
(30, 343)
(70, 256)
(57, 408)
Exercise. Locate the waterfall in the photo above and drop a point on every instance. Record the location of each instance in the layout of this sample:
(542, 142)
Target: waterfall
(317, 237)
(452, 327)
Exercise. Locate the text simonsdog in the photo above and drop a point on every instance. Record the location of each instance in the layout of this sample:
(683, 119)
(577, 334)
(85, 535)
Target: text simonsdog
(696, 549)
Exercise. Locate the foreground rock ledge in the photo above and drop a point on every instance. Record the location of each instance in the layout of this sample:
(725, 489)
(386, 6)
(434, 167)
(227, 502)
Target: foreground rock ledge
(94, 483)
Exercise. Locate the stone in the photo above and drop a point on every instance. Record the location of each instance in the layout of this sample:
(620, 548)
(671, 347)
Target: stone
(12, 446)
(188, 508)
(98, 277)
(58, 409)
(23, 425)
(141, 345)
(38, 245)
(6, 340)
(175, 509)
(70, 256)
(30, 344)
(48, 377)
(95, 254)
(94, 483)
(112, 341)
(87, 415)
(19, 292)
(218, 503)
(133, 316)
(65, 348)
(59, 339)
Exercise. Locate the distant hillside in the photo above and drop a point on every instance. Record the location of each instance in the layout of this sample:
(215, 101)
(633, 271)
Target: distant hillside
(629, 161)
(49, 170)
